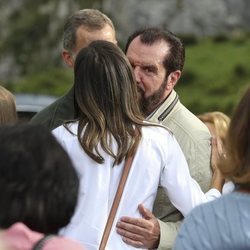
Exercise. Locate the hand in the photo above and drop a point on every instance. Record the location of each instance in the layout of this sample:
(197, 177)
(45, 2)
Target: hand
(217, 153)
(140, 232)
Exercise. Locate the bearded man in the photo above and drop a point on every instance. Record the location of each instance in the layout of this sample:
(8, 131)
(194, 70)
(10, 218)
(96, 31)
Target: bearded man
(157, 57)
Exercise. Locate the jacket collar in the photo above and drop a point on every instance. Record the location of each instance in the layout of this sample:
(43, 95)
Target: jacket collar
(161, 112)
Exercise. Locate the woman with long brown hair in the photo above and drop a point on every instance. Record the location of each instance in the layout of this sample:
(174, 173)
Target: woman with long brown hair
(109, 128)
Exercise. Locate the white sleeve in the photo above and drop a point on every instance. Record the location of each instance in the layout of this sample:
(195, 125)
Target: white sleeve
(183, 191)
(212, 194)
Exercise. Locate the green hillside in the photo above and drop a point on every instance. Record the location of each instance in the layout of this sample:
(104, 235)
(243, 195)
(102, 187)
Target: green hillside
(215, 74)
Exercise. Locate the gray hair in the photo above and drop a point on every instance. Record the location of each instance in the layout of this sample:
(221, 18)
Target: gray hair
(92, 19)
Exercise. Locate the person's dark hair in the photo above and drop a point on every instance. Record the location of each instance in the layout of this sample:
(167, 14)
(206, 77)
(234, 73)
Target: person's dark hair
(38, 183)
(236, 165)
(107, 101)
(174, 60)
(91, 19)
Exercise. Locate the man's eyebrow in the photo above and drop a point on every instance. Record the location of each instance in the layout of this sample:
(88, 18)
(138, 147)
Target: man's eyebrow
(150, 67)
(145, 65)
(141, 64)
(130, 59)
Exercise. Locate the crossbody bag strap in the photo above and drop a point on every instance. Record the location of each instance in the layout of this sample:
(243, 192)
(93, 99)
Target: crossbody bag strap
(116, 202)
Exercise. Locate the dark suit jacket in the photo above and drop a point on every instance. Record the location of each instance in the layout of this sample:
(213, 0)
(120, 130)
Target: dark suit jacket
(58, 112)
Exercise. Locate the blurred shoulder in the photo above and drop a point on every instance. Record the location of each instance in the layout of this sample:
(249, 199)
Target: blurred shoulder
(62, 243)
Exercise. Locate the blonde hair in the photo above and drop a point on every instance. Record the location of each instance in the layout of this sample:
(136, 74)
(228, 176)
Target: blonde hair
(236, 166)
(8, 113)
(219, 120)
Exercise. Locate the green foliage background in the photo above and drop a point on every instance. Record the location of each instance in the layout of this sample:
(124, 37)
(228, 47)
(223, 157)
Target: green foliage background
(215, 74)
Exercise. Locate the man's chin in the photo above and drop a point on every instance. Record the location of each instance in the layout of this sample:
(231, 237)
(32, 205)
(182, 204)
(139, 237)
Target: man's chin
(144, 102)
(144, 107)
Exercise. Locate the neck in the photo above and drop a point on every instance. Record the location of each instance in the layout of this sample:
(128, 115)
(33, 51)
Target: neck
(156, 106)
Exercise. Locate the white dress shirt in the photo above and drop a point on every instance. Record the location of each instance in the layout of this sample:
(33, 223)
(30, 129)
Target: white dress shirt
(158, 160)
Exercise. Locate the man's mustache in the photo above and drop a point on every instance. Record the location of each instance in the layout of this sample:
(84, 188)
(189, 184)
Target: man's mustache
(140, 90)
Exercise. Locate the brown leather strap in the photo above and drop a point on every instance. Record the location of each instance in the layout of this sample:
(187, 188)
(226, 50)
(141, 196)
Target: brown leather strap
(116, 202)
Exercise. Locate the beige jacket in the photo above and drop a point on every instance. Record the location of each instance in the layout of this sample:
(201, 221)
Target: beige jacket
(194, 140)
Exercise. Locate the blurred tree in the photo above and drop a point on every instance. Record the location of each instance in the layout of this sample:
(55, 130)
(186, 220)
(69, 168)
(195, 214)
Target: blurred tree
(30, 46)
(33, 33)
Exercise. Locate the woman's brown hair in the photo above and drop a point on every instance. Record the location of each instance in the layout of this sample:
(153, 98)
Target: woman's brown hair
(107, 102)
(237, 163)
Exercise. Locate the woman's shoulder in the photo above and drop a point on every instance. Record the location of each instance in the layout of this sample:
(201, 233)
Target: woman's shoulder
(233, 203)
(20, 235)
(65, 130)
(156, 128)
(19, 231)
(230, 212)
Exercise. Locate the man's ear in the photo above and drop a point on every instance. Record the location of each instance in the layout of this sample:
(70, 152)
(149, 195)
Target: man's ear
(68, 58)
(173, 79)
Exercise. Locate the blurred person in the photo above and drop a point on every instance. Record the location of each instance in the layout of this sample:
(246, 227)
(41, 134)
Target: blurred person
(8, 114)
(80, 29)
(218, 124)
(2, 245)
(39, 188)
(225, 223)
(157, 57)
(110, 127)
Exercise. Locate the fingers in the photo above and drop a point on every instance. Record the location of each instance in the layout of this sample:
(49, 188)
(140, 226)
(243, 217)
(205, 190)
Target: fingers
(219, 147)
(217, 152)
(133, 243)
(132, 231)
(214, 154)
(129, 232)
(140, 232)
(133, 224)
(145, 212)
(213, 141)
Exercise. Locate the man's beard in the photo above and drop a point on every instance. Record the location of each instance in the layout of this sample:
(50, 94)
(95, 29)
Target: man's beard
(148, 104)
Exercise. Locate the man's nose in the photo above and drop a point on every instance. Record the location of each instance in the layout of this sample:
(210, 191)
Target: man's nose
(137, 74)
